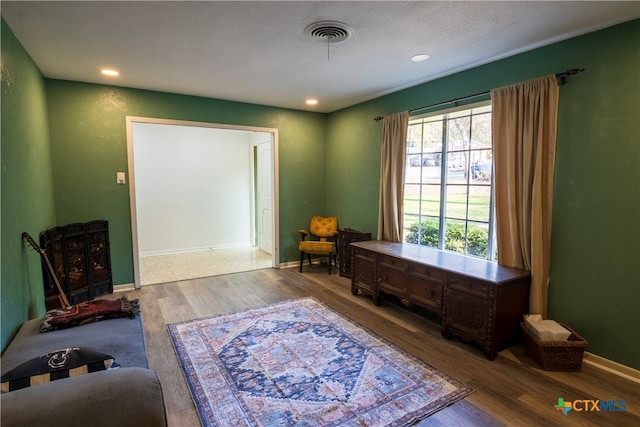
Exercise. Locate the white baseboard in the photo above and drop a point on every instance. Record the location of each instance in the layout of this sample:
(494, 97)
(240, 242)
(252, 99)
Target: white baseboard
(195, 249)
(612, 367)
(289, 264)
(124, 287)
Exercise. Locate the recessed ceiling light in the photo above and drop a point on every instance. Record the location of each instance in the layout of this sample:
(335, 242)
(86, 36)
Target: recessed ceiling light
(109, 72)
(420, 58)
(311, 101)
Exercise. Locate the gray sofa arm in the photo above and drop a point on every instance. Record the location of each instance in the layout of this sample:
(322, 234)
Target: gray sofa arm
(115, 398)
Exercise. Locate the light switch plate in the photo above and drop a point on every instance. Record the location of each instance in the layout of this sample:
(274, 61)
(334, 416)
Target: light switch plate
(120, 178)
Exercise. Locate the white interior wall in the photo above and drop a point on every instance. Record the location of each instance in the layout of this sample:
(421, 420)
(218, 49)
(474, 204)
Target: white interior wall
(193, 188)
(258, 137)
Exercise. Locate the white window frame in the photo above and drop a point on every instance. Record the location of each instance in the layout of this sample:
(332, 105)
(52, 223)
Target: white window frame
(442, 219)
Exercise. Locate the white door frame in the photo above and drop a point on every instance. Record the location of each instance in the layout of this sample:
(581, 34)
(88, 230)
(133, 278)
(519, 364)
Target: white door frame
(275, 258)
(258, 185)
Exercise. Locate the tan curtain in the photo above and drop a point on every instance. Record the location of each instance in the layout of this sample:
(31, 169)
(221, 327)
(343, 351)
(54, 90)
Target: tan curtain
(394, 143)
(524, 143)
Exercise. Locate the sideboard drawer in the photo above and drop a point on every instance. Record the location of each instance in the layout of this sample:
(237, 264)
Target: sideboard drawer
(427, 272)
(364, 253)
(392, 280)
(425, 293)
(469, 286)
(396, 263)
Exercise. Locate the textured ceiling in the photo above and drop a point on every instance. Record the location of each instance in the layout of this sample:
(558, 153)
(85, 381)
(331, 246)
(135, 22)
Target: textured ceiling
(258, 52)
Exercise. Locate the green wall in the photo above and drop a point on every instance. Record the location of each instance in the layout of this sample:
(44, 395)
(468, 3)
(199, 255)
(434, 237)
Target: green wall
(27, 188)
(595, 265)
(88, 140)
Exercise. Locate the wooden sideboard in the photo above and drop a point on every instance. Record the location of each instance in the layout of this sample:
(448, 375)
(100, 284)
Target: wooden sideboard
(476, 299)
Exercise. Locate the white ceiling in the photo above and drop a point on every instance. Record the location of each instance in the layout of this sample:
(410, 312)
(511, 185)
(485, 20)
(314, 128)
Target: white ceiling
(258, 52)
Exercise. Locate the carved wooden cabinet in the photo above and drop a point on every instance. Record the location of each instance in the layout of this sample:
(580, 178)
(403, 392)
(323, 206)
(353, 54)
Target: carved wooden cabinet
(345, 237)
(364, 272)
(476, 299)
(80, 256)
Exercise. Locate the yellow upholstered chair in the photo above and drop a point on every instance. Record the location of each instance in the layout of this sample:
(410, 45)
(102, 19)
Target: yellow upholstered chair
(324, 230)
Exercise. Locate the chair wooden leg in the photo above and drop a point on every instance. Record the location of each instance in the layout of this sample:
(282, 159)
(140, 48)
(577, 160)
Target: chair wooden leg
(332, 260)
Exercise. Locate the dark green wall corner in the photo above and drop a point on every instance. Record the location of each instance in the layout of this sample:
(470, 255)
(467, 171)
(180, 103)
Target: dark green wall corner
(27, 187)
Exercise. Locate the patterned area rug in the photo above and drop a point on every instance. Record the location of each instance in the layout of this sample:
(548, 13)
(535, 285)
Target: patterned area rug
(301, 363)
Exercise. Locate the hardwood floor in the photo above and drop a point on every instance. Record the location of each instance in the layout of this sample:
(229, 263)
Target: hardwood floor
(510, 391)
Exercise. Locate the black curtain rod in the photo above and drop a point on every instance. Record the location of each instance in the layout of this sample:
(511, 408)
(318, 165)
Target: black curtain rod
(562, 79)
(451, 101)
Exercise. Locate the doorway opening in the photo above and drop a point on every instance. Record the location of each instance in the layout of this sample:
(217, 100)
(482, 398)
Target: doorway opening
(203, 198)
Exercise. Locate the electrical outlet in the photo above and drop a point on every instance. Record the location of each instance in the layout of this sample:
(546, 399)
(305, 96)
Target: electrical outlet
(120, 178)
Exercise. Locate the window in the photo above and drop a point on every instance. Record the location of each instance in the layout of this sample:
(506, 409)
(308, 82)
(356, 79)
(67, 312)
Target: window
(448, 188)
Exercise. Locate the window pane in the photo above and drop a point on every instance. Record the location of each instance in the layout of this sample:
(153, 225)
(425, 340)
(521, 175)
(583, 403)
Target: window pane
(430, 200)
(411, 172)
(481, 167)
(478, 239)
(411, 199)
(456, 168)
(408, 220)
(432, 139)
(455, 236)
(459, 133)
(414, 138)
(432, 174)
(479, 203)
(424, 232)
(481, 131)
(456, 202)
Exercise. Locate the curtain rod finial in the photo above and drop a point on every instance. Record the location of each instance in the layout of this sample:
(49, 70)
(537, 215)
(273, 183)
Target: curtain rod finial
(562, 77)
(378, 118)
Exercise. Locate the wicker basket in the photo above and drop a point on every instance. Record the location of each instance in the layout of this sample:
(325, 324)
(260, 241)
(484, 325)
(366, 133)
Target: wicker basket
(556, 355)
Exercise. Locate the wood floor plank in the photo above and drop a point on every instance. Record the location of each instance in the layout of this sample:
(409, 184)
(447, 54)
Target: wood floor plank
(509, 391)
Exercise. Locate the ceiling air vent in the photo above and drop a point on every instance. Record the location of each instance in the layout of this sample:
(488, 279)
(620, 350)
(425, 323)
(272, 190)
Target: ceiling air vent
(329, 31)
